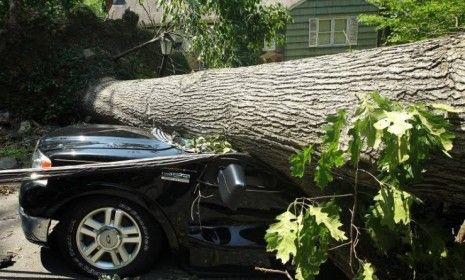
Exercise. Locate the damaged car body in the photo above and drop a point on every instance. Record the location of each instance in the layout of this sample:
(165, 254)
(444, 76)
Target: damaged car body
(212, 213)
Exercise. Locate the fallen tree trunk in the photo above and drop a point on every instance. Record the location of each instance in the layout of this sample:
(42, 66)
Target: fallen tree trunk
(270, 110)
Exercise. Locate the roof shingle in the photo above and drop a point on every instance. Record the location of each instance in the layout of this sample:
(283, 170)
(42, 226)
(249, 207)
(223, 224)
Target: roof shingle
(148, 12)
(286, 3)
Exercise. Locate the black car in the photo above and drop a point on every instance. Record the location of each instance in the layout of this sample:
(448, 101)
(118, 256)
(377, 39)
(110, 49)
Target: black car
(212, 213)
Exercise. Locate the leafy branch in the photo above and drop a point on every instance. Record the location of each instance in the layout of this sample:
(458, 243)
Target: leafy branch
(404, 136)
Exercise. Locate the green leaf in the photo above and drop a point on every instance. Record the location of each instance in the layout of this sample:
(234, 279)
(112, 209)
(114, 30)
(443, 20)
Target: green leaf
(437, 126)
(313, 245)
(333, 130)
(235, 38)
(331, 156)
(383, 238)
(366, 273)
(381, 102)
(300, 160)
(328, 160)
(395, 122)
(445, 107)
(392, 206)
(378, 138)
(369, 113)
(405, 136)
(446, 142)
(281, 236)
(327, 214)
(355, 144)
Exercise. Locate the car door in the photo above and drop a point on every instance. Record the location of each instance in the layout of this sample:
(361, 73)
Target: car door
(226, 235)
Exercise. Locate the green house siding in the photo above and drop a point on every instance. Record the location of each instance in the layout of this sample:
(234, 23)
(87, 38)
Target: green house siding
(297, 33)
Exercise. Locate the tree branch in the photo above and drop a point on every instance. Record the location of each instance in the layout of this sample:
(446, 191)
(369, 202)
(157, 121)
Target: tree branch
(153, 40)
(339, 246)
(331, 196)
(460, 237)
(275, 271)
(353, 242)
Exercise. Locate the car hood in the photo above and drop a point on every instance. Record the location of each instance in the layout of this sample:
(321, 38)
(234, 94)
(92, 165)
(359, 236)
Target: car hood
(101, 137)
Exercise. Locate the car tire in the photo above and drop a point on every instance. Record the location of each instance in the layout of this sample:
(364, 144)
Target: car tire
(76, 238)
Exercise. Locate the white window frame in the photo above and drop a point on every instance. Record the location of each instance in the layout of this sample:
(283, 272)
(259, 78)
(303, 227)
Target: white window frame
(332, 32)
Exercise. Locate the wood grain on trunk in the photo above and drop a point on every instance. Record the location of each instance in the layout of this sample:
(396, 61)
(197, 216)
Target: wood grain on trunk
(273, 109)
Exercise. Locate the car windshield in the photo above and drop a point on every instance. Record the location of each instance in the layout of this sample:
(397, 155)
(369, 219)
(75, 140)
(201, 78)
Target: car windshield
(194, 145)
(174, 139)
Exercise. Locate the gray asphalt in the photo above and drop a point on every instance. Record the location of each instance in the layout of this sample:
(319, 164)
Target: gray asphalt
(35, 262)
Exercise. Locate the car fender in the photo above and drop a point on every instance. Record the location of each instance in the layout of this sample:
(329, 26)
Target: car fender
(108, 189)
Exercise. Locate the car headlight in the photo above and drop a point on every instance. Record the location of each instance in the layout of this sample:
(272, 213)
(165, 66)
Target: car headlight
(39, 160)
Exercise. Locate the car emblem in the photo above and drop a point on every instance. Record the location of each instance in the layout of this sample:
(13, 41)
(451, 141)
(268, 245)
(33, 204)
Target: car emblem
(176, 177)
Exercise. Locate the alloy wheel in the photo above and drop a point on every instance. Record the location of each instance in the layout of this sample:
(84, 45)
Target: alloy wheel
(108, 238)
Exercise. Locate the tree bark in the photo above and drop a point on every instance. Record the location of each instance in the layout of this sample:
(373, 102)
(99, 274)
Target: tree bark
(273, 109)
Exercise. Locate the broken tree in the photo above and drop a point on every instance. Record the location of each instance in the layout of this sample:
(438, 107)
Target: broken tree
(270, 110)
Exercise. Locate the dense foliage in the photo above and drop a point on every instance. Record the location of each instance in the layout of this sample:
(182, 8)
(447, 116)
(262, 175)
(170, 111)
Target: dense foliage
(226, 33)
(404, 136)
(411, 20)
(61, 47)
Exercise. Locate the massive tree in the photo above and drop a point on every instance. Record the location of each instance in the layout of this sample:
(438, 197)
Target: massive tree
(270, 110)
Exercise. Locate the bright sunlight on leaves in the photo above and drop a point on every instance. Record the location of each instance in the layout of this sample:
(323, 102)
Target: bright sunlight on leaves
(331, 155)
(367, 272)
(328, 214)
(404, 136)
(300, 160)
(281, 236)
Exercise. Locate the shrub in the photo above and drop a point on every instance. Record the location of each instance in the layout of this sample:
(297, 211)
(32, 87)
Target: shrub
(45, 71)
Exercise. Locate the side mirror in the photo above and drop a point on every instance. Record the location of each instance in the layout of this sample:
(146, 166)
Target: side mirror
(231, 181)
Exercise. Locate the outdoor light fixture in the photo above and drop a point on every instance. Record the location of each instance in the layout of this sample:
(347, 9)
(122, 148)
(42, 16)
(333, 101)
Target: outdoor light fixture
(166, 44)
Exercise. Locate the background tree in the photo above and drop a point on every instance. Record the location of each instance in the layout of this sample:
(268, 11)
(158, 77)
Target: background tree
(61, 47)
(411, 20)
(226, 33)
(68, 43)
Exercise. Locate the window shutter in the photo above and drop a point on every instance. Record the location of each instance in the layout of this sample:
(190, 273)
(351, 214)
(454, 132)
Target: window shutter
(352, 31)
(313, 32)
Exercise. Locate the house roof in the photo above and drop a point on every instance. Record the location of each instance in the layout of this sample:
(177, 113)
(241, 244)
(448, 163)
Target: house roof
(149, 14)
(290, 4)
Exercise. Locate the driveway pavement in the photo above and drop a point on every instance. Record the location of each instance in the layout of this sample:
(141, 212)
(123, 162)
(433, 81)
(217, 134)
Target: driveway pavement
(34, 262)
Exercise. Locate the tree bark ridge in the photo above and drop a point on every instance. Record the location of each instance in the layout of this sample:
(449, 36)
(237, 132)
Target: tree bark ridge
(271, 110)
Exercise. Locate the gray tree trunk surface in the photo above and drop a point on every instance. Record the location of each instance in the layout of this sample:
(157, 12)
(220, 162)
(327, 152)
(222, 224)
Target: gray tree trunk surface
(273, 109)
